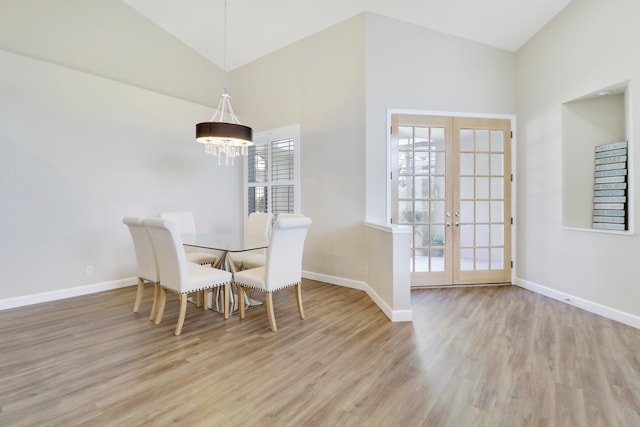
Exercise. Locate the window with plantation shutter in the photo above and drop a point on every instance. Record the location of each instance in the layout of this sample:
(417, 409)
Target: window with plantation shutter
(272, 172)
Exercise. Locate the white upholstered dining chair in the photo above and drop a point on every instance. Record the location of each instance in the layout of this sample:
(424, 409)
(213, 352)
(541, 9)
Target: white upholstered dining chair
(177, 274)
(146, 270)
(283, 267)
(259, 225)
(185, 224)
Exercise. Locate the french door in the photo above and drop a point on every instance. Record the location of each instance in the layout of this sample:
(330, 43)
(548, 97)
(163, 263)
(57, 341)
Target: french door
(451, 183)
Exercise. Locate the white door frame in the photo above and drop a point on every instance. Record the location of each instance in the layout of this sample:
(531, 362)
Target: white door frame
(511, 117)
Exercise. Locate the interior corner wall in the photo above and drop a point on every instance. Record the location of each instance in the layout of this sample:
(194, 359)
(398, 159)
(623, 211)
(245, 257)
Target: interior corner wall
(409, 67)
(81, 149)
(589, 46)
(318, 82)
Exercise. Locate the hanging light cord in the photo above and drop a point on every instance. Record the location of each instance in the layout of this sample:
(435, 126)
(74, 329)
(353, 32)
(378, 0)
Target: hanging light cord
(224, 49)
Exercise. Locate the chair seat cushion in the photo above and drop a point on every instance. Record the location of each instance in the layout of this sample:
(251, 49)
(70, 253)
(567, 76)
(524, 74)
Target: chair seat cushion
(201, 258)
(201, 277)
(252, 278)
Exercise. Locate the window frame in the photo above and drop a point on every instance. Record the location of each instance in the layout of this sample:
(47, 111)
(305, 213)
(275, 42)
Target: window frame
(266, 138)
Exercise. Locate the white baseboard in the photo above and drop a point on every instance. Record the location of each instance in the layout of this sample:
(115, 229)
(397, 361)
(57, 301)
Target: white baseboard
(21, 301)
(393, 315)
(25, 300)
(347, 283)
(590, 306)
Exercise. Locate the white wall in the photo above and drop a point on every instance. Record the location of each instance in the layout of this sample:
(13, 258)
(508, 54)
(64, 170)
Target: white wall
(589, 46)
(78, 150)
(318, 82)
(414, 68)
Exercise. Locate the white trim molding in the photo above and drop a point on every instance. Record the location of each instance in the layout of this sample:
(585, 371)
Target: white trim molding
(590, 306)
(393, 315)
(25, 300)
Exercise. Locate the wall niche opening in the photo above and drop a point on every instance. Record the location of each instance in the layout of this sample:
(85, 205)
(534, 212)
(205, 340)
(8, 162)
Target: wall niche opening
(590, 121)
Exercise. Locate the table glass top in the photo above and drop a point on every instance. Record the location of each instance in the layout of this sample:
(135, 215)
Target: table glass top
(224, 241)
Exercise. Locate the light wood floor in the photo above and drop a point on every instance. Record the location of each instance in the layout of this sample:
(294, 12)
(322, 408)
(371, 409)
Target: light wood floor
(491, 356)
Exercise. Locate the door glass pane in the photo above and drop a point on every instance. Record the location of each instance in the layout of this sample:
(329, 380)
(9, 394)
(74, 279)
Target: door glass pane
(405, 137)
(497, 164)
(439, 163)
(482, 211)
(466, 259)
(422, 187)
(482, 164)
(482, 188)
(438, 189)
(405, 187)
(422, 211)
(482, 258)
(437, 139)
(466, 164)
(405, 160)
(467, 211)
(466, 235)
(466, 140)
(482, 235)
(497, 211)
(421, 138)
(406, 211)
(437, 211)
(422, 162)
(437, 247)
(497, 258)
(497, 188)
(466, 187)
(497, 143)
(497, 235)
(421, 236)
(482, 140)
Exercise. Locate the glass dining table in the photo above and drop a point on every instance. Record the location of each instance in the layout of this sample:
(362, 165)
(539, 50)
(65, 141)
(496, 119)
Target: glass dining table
(226, 243)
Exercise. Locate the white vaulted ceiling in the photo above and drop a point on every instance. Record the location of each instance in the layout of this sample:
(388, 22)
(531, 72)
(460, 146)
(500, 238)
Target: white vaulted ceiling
(258, 27)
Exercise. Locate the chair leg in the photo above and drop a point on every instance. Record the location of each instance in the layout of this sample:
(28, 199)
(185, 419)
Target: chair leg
(154, 306)
(240, 298)
(136, 304)
(299, 299)
(197, 298)
(205, 299)
(226, 301)
(183, 312)
(272, 317)
(162, 301)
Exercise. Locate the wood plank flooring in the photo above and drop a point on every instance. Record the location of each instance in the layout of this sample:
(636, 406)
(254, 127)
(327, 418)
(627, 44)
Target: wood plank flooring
(489, 356)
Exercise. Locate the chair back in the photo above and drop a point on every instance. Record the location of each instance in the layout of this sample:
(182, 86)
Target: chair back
(259, 224)
(284, 254)
(183, 221)
(170, 255)
(288, 215)
(143, 247)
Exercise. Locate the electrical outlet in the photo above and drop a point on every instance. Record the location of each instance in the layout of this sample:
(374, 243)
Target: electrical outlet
(89, 270)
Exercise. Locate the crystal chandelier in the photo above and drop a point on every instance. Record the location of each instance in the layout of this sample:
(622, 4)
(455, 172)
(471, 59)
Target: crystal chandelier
(223, 134)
